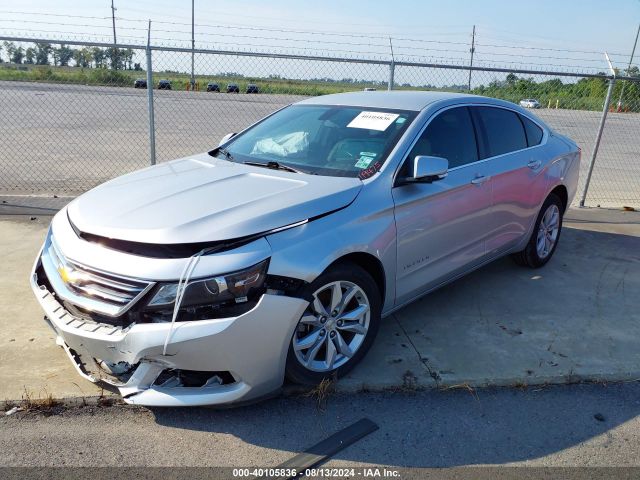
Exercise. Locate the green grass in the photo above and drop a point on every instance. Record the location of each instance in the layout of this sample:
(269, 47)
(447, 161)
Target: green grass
(125, 78)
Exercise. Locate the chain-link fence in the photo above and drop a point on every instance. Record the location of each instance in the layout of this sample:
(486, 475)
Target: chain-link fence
(65, 129)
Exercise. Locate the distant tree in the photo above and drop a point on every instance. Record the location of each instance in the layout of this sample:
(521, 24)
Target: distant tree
(512, 79)
(88, 56)
(30, 55)
(137, 67)
(64, 54)
(115, 57)
(127, 58)
(98, 56)
(18, 55)
(10, 48)
(524, 85)
(77, 57)
(82, 57)
(42, 53)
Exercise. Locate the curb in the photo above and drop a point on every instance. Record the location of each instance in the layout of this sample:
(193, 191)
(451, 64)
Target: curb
(352, 387)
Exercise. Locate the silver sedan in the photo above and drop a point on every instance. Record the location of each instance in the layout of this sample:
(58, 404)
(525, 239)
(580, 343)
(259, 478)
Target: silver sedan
(530, 103)
(209, 279)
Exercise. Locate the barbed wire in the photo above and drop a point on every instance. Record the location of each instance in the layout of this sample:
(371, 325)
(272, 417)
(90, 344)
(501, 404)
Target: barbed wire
(297, 31)
(480, 60)
(400, 49)
(249, 42)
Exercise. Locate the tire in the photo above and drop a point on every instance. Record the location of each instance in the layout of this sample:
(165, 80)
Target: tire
(533, 256)
(358, 335)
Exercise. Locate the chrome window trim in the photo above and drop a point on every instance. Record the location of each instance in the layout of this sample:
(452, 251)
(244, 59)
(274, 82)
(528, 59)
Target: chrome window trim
(545, 136)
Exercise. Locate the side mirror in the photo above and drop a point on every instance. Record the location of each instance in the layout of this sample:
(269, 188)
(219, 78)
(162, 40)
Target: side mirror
(226, 138)
(428, 169)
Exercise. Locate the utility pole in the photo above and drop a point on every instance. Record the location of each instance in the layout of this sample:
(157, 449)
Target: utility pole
(624, 84)
(193, 45)
(114, 58)
(473, 49)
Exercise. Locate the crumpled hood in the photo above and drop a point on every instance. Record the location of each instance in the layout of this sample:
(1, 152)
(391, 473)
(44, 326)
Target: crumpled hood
(205, 199)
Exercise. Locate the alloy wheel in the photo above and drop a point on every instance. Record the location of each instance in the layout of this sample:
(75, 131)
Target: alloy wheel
(548, 231)
(333, 328)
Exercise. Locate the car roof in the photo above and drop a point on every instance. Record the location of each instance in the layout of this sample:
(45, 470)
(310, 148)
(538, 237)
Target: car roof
(401, 100)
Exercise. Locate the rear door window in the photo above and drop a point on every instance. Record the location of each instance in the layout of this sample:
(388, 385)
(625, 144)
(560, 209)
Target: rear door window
(502, 129)
(533, 131)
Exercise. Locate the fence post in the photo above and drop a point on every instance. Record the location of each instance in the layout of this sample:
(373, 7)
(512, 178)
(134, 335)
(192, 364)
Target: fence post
(596, 145)
(152, 126)
(392, 66)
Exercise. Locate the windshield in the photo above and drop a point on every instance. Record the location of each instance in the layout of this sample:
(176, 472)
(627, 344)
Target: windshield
(323, 140)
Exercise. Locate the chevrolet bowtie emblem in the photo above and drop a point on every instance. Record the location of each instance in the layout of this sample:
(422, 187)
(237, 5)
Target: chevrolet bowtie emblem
(68, 275)
(63, 274)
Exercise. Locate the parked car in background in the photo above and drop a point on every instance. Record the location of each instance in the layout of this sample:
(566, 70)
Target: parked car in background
(252, 88)
(233, 88)
(140, 83)
(278, 253)
(529, 103)
(164, 85)
(369, 89)
(213, 87)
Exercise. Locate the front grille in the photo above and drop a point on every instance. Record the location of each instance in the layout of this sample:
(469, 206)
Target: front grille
(88, 288)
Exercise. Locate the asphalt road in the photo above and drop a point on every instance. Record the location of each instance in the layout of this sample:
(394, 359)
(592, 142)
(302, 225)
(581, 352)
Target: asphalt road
(64, 139)
(541, 427)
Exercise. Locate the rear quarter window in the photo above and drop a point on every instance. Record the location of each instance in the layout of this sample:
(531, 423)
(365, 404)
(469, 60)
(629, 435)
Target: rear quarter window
(533, 131)
(503, 131)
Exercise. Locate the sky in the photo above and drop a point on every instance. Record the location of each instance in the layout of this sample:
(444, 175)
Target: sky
(538, 34)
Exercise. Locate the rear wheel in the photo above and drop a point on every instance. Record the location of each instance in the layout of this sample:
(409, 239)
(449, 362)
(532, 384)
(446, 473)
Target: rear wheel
(338, 327)
(545, 235)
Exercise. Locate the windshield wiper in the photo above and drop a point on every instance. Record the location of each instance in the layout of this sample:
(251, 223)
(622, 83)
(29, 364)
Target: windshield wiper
(226, 153)
(274, 166)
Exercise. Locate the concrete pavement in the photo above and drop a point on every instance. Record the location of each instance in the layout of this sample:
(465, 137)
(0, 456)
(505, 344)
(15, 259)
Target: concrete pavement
(575, 319)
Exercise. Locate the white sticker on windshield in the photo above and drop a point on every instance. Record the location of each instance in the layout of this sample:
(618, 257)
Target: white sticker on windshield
(373, 120)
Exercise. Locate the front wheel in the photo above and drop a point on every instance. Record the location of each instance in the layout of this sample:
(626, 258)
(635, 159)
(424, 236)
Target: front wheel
(545, 235)
(338, 327)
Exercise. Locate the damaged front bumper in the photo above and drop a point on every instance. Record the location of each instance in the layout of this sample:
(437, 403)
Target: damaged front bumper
(231, 359)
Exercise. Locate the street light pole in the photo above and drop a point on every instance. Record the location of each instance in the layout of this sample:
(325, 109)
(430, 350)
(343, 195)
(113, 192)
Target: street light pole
(193, 45)
(624, 84)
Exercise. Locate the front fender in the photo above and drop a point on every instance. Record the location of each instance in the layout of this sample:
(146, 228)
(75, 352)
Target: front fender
(366, 226)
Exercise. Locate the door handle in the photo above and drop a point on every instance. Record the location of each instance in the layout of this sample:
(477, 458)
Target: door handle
(480, 179)
(534, 164)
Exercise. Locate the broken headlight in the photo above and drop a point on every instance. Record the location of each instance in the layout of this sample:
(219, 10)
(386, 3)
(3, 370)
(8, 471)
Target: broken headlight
(232, 287)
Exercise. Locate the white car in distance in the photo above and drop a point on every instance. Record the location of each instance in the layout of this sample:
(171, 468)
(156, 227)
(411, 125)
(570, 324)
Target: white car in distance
(530, 103)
